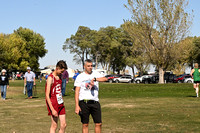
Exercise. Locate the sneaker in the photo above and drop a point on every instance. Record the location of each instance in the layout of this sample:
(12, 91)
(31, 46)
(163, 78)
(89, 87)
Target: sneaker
(4, 99)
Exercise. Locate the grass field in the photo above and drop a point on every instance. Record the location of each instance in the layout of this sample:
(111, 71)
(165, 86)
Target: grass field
(126, 108)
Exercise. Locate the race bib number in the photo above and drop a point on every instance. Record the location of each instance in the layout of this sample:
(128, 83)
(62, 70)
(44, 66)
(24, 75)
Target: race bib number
(59, 98)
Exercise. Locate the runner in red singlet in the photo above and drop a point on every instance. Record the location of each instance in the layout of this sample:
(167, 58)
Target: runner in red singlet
(54, 100)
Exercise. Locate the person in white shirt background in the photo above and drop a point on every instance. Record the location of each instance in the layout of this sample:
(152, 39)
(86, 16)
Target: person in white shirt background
(29, 81)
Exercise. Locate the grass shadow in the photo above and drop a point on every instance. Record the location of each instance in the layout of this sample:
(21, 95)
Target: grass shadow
(191, 96)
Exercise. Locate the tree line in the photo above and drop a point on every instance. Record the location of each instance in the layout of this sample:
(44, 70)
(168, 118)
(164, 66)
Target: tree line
(156, 34)
(20, 49)
(113, 49)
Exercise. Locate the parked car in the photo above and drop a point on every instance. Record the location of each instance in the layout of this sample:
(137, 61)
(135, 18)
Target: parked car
(168, 78)
(188, 80)
(112, 77)
(180, 78)
(109, 77)
(123, 79)
(139, 79)
(150, 79)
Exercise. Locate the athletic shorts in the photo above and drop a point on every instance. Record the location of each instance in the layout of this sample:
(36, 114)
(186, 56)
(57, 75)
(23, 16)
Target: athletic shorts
(90, 108)
(195, 82)
(60, 110)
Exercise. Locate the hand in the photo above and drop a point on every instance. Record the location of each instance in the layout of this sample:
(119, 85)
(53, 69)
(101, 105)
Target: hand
(34, 83)
(77, 109)
(7, 86)
(92, 82)
(54, 113)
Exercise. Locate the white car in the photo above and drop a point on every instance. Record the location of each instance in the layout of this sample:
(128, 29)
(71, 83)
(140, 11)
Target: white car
(139, 79)
(123, 79)
(188, 80)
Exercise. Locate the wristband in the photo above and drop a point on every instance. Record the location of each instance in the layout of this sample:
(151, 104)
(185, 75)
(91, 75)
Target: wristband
(95, 79)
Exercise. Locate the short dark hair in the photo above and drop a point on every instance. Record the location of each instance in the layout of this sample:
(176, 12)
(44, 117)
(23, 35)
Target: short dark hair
(88, 61)
(61, 64)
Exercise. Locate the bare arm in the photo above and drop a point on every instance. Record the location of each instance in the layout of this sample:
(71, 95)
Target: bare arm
(34, 81)
(192, 71)
(24, 81)
(102, 79)
(77, 107)
(49, 82)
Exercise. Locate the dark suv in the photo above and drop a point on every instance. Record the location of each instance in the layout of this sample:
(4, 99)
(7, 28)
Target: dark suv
(168, 78)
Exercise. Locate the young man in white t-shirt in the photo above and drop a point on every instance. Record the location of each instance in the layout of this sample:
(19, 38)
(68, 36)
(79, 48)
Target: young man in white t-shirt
(86, 97)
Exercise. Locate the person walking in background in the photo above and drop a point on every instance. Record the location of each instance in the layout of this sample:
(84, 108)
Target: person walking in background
(54, 99)
(195, 73)
(86, 97)
(65, 79)
(4, 83)
(74, 77)
(46, 76)
(29, 81)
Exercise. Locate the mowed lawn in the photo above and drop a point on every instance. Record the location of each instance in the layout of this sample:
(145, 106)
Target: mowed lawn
(126, 108)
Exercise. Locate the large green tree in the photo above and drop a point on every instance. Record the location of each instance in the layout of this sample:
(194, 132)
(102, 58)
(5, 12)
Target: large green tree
(104, 46)
(13, 48)
(79, 44)
(135, 55)
(162, 24)
(112, 48)
(34, 47)
(195, 56)
(21, 49)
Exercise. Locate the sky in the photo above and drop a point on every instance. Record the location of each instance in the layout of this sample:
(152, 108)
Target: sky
(57, 20)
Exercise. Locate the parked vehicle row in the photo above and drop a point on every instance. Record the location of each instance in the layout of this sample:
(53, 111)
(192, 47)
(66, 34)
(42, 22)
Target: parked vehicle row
(147, 79)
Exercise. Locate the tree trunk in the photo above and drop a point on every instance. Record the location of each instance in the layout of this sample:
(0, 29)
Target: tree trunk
(132, 67)
(161, 75)
(82, 59)
(96, 61)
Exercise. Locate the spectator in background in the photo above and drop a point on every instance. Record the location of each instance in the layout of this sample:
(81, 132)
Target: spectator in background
(40, 77)
(4, 83)
(65, 79)
(46, 76)
(29, 81)
(74, 77)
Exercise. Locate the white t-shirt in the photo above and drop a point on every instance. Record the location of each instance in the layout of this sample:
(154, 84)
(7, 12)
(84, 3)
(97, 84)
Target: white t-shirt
(83, 81)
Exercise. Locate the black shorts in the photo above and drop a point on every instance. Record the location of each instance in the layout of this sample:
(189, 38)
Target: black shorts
(90, 108)
(195, 82)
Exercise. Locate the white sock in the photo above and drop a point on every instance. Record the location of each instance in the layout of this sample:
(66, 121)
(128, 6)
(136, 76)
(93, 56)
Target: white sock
(197, 90)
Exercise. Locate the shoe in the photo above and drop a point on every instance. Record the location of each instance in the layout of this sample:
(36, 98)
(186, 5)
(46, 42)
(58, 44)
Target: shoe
(4, 99)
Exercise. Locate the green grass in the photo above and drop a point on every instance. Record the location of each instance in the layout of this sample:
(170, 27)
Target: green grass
(126, 108)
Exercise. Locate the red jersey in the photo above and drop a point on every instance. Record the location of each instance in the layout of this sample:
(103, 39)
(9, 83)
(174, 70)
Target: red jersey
(55, 95)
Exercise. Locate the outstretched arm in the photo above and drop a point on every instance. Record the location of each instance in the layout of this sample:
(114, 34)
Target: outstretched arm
(101, 79)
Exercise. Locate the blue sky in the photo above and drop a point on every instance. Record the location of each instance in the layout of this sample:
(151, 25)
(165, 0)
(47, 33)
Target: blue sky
(58, 20)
